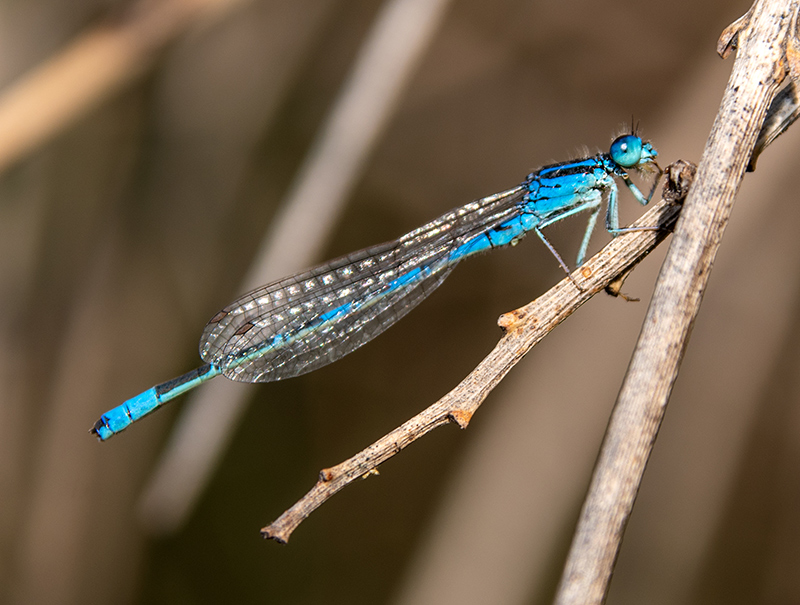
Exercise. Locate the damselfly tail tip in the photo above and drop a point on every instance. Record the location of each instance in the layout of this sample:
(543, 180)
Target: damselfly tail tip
(101, 429)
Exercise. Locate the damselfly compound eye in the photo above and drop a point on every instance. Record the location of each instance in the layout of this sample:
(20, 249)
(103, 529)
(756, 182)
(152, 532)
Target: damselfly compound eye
(627, 150)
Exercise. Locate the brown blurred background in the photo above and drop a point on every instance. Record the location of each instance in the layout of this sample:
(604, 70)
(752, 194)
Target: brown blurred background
(130, 219)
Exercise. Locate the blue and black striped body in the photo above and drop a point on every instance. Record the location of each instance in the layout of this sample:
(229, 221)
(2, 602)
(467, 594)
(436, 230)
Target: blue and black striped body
(308, 320)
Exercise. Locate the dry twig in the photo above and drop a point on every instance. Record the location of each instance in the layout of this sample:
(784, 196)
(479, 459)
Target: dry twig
(761, 63)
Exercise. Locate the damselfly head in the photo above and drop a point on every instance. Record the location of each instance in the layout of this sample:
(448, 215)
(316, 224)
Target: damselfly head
(629, 151)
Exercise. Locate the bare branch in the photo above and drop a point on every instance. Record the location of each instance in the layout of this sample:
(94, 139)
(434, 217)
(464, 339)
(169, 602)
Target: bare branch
(761, 37)
(524, 328)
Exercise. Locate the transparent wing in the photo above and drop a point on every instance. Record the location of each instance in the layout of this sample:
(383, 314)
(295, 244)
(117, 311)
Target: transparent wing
(306, 321)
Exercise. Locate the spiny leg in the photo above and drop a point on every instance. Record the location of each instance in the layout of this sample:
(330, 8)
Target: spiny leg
(612, 213)
(588, 235)
(592, 200)
(612, 217)
(593, 203)
(553, 251)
